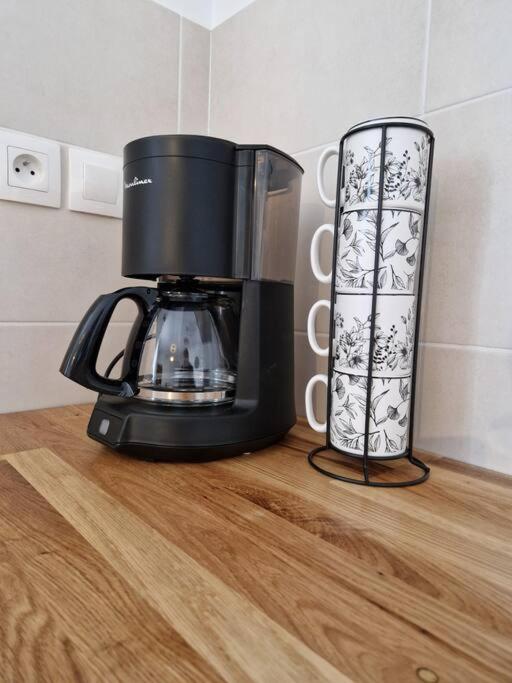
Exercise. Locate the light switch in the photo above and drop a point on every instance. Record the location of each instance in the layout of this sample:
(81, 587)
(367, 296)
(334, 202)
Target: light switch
(100, 184)
(95, 182)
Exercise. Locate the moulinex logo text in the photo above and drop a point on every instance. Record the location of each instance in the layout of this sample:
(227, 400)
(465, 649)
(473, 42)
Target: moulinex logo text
(136, 181)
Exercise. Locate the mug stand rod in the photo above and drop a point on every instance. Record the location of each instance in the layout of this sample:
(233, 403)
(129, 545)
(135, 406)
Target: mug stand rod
(365, 458)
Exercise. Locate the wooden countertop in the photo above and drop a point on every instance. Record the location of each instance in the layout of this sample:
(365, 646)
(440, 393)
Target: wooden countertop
(250, 569)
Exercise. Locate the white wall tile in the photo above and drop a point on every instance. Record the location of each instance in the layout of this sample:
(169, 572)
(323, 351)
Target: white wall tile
(470, 50)
(53, 264)
(96, 74)
(29, 365)
(296, 73)
(464, 406)
(194, 78)
(469, 279)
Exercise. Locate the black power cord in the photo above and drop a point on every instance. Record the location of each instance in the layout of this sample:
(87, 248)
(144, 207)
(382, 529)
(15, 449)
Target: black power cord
(113, 363)
(117, 358)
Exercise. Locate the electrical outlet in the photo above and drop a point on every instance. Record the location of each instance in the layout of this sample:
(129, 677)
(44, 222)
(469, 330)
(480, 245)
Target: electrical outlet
(29, 169)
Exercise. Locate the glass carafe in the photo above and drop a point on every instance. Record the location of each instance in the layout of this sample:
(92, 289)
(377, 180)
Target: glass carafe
(190, 351)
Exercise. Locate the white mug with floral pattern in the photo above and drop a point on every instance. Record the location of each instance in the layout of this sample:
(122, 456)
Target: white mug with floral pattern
(394, 331)
(405, 166)
(399, 251)
(388, 419)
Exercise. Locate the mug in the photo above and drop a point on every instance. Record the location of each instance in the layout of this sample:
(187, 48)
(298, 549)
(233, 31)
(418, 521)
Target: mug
(395, 319)
(406, 166)
(389, 414)
(400, 242)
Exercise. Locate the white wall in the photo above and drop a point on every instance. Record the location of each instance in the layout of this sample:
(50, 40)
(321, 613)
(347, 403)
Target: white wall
(297, 74)
(95, 74)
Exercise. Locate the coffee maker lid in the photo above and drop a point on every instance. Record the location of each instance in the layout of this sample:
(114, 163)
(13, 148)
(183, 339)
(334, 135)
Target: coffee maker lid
(195, 146)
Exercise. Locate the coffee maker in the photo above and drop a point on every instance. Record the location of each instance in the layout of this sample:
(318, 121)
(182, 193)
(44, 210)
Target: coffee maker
(208, 367)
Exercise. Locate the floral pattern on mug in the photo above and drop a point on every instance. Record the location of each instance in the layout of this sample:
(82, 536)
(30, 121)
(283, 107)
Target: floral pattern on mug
(389, 414)
(406, 166)
(394, 335)
(399, 247)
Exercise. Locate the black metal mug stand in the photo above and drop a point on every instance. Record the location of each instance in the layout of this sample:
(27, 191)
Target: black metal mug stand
(365, 458)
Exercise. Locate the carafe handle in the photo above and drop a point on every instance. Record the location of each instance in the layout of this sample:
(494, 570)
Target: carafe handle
(79, 363)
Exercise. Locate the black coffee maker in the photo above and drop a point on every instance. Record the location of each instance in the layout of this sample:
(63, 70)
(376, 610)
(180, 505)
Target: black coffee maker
(208, 367)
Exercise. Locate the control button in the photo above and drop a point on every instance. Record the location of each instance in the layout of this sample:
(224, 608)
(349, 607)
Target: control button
(104, 425)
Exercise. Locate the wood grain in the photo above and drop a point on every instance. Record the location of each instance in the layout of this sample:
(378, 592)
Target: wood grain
(239, 640)
(251, 569)
(65, 615)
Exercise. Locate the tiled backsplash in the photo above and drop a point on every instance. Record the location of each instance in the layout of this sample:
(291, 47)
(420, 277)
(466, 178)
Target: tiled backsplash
(103, 73)
(298, 73)
(93, 74)
(304, 72)
(295, 74)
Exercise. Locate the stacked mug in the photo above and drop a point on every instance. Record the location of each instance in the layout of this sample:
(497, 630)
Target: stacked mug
(391, 313)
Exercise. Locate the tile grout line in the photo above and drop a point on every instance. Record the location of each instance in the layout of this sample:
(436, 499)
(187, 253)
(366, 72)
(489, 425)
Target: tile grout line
(180, 56)
(303, 333)
(467, 347)
(470, 100)
(447, 107)
(209, 83)
(463, 347)
(426, 58)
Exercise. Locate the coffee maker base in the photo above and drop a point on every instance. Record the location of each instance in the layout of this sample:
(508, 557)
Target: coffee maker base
(147, 433)
(180, 454)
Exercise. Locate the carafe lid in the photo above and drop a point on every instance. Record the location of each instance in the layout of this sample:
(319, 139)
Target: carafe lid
(185, 289)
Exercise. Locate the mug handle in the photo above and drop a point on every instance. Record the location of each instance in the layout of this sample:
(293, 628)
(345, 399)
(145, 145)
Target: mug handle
(314, 253)
(310, 412)
(326, 154)
(312, 325)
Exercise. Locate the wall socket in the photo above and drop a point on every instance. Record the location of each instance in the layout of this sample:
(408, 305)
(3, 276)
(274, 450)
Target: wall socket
(29, 169)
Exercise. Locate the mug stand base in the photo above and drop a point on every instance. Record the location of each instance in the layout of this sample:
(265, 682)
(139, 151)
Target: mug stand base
(365, 462)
